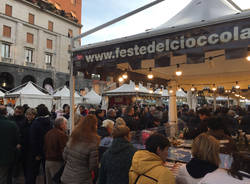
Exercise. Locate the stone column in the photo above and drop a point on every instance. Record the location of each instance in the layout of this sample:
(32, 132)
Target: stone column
(214, 102)
(19, 54)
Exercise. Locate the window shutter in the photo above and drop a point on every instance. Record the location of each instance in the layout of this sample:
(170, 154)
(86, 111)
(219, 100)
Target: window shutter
(49, 44)
(29, 38)
(8, 10)
(50, 26)
(70, 33)
(6, 31)
(31, 18)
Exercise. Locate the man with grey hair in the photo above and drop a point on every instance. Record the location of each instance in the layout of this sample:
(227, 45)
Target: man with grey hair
(55, 141)
(111, 114)
(9, 138)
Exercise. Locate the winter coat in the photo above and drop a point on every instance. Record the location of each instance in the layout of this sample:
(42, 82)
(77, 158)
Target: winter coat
(81, 159)
(9, 138)
(39, 128)
(116, 161)
(55, 142)
(221, 176)
(131, 122)
(148, 168)
(194, 171)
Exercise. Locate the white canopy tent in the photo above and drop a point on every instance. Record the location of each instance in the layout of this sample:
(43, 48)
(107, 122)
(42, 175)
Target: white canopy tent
(92, 98)
(31, 95)
(164, 93)
(62, 96)
(1, 94)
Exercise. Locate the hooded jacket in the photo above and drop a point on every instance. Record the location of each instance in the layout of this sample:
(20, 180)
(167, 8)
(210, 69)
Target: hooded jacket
(148, 168)
(116, 161)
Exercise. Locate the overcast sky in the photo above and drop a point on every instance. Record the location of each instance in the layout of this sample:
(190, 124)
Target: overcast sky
(97, 12)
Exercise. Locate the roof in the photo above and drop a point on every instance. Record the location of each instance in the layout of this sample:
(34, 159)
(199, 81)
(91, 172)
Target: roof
(129, 88)
(200, 10)
(64, 92)
(92, 97)
(1, 94)
(228, 14)
(28, 89)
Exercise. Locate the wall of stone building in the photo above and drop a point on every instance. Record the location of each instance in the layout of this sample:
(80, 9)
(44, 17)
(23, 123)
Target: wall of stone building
(20, 27)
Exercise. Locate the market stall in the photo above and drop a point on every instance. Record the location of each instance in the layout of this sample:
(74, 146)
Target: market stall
(62, 96)
(92, 98)
(30, 94)
(128, 94)
(1, 97)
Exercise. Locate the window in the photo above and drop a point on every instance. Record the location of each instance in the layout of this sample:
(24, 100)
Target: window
(73, 2)
(29, 55)
(49, 44)
(8, 10)
(5, 50)
(48, 59)
(50, 26)
(6, 31)
(31, 18)
(70, 33)
(29, 38)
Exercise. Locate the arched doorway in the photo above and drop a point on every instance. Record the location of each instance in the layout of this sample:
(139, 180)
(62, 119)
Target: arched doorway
(6, 81)
(48, 85)
(67, 83)
(28, 78)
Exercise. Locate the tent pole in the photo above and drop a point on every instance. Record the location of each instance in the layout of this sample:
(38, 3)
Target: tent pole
(72, 90)
(172, 110)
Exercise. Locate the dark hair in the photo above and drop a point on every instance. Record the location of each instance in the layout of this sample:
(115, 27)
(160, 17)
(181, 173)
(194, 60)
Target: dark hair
(98, 111)
(156, 140)
(3, 110)
(128, 109)
(19, 107)
(65, 105)
(204, 112)
(241, 162)
(42, 110)
(215, 123)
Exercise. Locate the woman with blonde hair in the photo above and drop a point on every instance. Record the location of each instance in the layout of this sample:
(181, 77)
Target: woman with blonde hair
(205, 159)
(81, 152)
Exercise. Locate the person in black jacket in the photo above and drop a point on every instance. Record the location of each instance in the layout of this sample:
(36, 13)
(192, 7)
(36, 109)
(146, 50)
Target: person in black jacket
(39, 128)
(131, 120)
(116, 161)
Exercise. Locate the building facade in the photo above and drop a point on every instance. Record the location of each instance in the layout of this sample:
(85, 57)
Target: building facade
(34, 44)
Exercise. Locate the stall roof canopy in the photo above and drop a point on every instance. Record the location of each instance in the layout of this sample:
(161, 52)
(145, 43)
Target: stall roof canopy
(28, 89)
(64, 92)
(1, 94)
(129, 88)
(200, 10)
(92, 97)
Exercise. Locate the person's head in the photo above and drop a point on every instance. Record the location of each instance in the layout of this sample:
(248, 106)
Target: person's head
(30, 114)
(19, 110)
(66, 108)
(130, 111)
(3, 110)
(203, 113)
(121, 131)
(111, 113)
(85, 131)
(61, 123)
(42, 110)
(109, 125)
(119, 121)
(81, 109)
(215, 123)
(158, 144)
(99, 113)
(241, 162)
(206, 147)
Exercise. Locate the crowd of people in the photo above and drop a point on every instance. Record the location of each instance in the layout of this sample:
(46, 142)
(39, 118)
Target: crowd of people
(103, 146)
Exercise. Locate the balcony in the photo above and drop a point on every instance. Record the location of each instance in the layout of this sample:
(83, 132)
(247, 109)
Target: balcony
(7, 60)
(30, 64)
